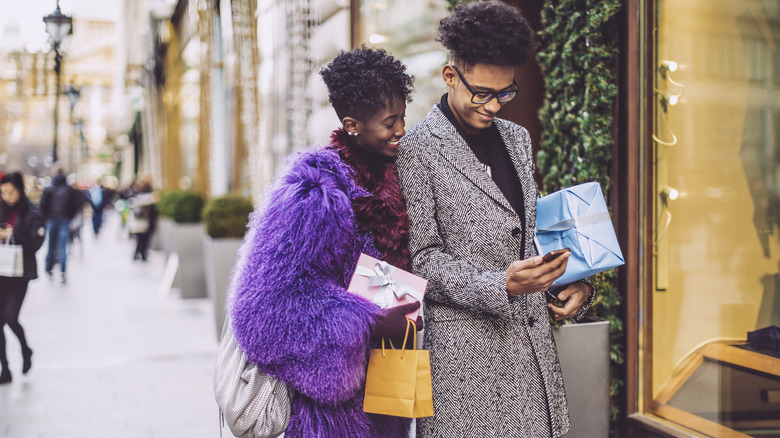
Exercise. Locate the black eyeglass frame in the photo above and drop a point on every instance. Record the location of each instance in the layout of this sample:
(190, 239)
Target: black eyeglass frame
(511, 93)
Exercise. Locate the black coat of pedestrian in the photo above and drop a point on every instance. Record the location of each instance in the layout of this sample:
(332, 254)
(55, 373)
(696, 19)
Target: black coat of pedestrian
(60, 201)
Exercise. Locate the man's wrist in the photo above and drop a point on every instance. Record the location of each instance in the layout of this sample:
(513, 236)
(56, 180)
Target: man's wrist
(589, 283)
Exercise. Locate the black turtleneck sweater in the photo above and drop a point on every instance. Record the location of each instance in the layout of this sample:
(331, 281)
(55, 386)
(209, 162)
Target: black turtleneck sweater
(490, 150)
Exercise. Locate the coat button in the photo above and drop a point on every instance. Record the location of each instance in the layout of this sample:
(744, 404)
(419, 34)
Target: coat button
(516, 232)
(531, 321)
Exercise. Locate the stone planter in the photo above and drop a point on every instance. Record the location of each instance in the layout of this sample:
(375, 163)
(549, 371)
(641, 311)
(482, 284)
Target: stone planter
(220, 256)
(583, 349)
(166, 231)
(156, 241)
(189, 247)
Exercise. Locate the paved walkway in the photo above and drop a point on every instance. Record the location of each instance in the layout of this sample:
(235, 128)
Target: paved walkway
(113, 357)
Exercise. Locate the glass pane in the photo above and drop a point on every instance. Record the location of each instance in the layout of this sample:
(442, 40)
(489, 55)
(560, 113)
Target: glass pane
(407, 29)
(716, 212)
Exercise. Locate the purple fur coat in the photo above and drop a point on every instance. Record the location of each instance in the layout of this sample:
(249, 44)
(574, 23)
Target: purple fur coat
(291, 312)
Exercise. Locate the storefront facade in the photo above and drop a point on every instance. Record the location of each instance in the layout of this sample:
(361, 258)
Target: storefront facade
(695, 199)
(695, 176)
(706, 271)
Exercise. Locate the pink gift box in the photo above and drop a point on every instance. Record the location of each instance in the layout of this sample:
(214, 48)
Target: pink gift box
(383, 284)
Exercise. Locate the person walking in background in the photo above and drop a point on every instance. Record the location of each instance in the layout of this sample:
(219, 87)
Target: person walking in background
(22, 224)
(59, 203)
(291, 312)
(468, 178)
(95, 195)
(100, 196)
(143, 217)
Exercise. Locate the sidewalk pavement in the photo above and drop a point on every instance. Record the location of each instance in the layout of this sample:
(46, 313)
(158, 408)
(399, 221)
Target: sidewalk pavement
(113, 356)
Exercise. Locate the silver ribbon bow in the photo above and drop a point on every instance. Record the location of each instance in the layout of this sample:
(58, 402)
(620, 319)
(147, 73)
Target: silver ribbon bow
(576, 222)
(389, 289)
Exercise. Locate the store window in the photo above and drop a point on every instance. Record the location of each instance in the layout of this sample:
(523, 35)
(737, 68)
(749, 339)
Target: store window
(716, 216)
(407, 29)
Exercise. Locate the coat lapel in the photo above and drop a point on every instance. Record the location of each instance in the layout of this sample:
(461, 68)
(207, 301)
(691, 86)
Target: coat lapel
(454, 149)
(526, 177)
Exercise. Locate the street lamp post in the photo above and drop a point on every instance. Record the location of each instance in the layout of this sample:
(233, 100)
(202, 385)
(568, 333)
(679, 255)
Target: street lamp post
(58, 26)
(73, 94)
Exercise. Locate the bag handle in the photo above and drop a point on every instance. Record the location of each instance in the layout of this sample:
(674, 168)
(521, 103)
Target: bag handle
(409, 323)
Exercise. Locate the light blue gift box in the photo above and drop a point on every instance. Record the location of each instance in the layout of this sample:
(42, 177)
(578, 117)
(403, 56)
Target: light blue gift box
(577, 218)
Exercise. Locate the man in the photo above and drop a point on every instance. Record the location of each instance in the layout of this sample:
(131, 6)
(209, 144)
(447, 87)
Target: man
(100, 197)
(468, 181)
(59, 203)
(95, 195)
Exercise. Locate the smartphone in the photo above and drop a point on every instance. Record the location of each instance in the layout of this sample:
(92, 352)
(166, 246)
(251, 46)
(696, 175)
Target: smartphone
(552, 255)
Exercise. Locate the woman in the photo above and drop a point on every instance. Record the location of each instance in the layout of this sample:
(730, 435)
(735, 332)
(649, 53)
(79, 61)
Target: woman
(22, 220)
(291, 312)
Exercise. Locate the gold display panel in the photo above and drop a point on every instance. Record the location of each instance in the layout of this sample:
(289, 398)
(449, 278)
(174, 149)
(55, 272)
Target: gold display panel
(716, 214)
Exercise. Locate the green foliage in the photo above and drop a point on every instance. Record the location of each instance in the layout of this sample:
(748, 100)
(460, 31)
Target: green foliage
(227, 216)
(578, 58)
(578, 62)
(188, 208)
(183, 206)
(453, 3)
(165, 206)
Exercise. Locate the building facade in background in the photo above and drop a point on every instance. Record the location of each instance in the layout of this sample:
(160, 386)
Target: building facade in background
(88, 103)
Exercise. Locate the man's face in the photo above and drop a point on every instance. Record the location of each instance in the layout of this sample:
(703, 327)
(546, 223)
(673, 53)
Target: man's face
(481, 78)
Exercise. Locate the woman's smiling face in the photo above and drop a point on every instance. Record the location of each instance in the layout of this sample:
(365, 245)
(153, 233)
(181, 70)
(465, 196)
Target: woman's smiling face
(9, 194)
(383, 130)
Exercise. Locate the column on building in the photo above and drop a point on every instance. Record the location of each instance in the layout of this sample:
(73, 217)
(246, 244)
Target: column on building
(245, 62)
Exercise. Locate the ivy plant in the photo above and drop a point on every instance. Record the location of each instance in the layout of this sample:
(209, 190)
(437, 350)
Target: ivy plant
(577, 57)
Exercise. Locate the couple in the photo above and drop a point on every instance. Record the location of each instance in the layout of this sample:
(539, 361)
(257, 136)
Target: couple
(452, 200)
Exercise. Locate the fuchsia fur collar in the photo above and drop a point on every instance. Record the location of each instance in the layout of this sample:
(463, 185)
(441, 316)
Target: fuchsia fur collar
(384, 213)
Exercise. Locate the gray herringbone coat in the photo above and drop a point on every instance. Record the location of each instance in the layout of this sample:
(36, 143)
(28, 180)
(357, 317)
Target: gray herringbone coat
(493, 359)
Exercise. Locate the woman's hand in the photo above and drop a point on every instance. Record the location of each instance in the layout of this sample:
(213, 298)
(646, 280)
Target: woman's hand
(392, 322)
(6, 233)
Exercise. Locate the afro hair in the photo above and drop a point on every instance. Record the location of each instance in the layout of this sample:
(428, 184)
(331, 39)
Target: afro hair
(487, 32)
(364, 81)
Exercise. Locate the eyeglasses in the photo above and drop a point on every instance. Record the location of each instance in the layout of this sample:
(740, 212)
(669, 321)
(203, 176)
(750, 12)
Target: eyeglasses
(483, 97)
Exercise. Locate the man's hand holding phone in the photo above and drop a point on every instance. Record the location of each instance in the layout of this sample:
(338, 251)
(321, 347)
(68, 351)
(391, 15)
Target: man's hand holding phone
(536, 273)
(552, 255)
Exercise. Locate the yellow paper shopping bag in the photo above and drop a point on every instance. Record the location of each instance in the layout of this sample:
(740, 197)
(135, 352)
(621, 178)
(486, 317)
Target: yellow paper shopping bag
(398, 382)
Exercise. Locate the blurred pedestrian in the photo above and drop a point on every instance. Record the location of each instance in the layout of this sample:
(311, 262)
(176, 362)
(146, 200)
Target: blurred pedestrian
(21, 223)
(59, 204)
(291, 312)
(143, 217)
(100, 196)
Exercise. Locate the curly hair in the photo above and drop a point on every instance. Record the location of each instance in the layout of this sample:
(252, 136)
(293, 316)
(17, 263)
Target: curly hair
(364, 81)
(16, 179)
(487, 32)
